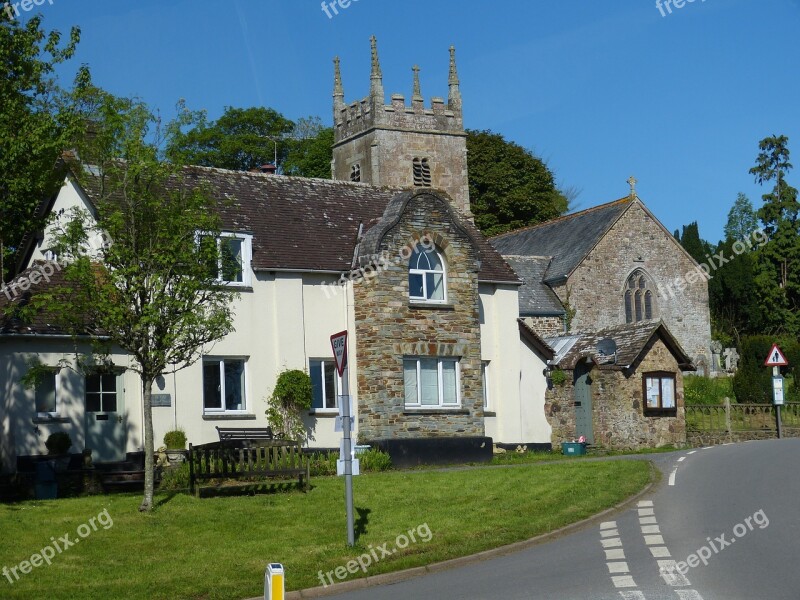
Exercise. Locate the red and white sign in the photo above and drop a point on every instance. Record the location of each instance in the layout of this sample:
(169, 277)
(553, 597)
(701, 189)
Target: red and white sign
(339, 345)
(776, 358)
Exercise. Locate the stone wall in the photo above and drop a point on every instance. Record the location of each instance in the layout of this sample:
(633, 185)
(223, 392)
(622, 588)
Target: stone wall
(618, 418)
(546, 326)
(637, 241)
(389, 327)
(714, 438)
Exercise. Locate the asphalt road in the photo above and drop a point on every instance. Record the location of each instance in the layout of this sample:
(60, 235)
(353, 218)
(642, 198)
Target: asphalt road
(727, 517)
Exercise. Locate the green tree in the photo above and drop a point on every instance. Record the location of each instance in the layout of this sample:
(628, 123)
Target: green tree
(150, 291)
(32, 132)
(732, 301)
(777, 275)
(692, 242)
(310, 150)
(742, 220)
(509, 187)
(241, 139)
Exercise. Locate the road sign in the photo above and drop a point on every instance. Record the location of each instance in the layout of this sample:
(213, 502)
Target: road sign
(776, 358)
(777, 389)
(339, 345)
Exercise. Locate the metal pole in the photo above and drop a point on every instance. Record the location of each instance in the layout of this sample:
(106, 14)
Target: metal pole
(776, 372)
(348, 462)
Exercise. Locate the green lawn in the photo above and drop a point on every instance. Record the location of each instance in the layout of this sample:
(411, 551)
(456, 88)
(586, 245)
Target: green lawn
(218, 547)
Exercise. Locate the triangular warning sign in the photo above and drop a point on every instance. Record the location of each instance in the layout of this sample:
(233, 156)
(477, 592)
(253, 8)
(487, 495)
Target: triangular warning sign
(776, 358)
(339, 345)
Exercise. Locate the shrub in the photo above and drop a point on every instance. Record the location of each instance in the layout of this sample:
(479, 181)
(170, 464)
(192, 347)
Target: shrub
(175, 478)
(322, 464)
(175, 439)
(374, 461)
(58, 443)
(753, 381)
(703, 390)
(558, 377)
(293, 395)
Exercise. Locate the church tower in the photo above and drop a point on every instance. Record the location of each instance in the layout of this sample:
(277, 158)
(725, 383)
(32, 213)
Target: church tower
(397, 145)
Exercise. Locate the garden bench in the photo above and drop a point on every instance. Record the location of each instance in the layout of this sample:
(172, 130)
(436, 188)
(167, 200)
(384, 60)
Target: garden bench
(245, 433)
(251, 460)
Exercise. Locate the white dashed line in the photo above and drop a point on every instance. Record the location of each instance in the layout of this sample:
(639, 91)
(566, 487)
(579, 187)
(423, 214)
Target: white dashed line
(647, 521)
(672, 476)
(681, 459)
(660, 552)
(611, 543)
(688, 595)
(692, 452)
(618, 567)
(608, 525)
(623, 581)
(609, 533)
(637, 595)
(650, 529)
(615, 554)
(646, 512)
(670, 575)
(707, 448)
(645, 503)
(654, 540)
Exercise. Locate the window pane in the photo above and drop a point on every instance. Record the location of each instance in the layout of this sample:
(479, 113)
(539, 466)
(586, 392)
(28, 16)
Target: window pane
(212, 389)
(628, 308)
(652, 392)
(410, 379)
(449, 388)
(231, 249)
(667, 393)
(330, 385)
(109, 402)
(316, 383)
(642, 283)
(435, 286)
(109, 383)
(93, 383)
(46, 394)
(93, 403)
(485, 376)
(648, 305)
(234, 385)
(209, 255)
(429, 381)
(415, 289)
(638, 301)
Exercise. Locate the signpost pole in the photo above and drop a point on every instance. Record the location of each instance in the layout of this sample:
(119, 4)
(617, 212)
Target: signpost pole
(776, 372)
(339, 345)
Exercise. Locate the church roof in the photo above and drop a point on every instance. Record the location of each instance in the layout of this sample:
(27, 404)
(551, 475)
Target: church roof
(567, 239)
(632, 340)
(306, 224)
(536, 298)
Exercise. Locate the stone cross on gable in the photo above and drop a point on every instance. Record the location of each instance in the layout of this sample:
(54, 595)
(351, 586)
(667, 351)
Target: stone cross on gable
(632, 182)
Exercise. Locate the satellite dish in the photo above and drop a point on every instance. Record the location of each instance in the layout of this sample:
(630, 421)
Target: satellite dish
(607, 347)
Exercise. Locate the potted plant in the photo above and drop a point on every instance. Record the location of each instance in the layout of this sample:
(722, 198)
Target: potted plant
(58, 445)
(361, 446)
(175, 442)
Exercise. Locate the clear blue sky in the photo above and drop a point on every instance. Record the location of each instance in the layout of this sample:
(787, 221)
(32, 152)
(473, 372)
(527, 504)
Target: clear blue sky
(601, 89)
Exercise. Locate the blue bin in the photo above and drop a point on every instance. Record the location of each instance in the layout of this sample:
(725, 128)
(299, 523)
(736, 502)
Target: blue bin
(573, 448)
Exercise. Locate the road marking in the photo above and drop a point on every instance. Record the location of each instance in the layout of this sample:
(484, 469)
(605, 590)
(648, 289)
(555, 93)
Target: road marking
(608, 525)
(647, 521)
(654, 540)
(618, 567)
(646, 512)
(692, 452)
(660, 552)
(645, 503)
(670, 575)
(637, 595)
(615, 554)
(623, 581)
(688, 595)
(609, 533)
(611, 543)
(681, 459)
(672, 476)
(650, 529)
(707, 448)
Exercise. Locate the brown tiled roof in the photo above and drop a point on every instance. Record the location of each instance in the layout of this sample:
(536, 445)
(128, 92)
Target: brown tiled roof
(306, 224)
(631, 340)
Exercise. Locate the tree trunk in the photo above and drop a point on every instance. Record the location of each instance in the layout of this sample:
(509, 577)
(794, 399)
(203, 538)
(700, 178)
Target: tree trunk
(149, 462)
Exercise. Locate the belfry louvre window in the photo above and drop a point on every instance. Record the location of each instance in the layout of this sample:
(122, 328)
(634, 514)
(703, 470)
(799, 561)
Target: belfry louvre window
(639, 305)
(355, 173)
(422, 172)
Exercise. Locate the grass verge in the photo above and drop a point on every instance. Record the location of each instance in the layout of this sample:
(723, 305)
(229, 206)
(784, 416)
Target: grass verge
(218, 547)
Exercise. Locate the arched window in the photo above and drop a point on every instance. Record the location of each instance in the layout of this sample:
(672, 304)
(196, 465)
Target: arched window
(355, 173)
(422, 172)
(426, 276)
(638, 297)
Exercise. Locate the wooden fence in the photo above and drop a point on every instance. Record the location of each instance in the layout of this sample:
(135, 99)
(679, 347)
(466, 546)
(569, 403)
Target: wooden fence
(731, 417)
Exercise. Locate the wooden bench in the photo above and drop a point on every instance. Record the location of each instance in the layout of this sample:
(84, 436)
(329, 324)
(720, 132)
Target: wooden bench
(245, 433)
(247, 459)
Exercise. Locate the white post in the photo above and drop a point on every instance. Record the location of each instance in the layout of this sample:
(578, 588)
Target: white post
(274, 586)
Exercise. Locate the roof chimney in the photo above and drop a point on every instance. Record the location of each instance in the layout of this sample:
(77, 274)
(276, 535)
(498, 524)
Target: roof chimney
(268, 168)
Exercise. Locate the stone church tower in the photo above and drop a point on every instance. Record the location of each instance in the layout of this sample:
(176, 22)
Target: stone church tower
(396, 145)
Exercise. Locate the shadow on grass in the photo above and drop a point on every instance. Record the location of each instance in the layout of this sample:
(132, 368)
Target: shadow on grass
(360, 526)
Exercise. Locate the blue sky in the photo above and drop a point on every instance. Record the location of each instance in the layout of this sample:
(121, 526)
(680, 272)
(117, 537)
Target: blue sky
(601, 89)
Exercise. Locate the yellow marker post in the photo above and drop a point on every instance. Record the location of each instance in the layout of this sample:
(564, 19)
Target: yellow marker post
(273, 582)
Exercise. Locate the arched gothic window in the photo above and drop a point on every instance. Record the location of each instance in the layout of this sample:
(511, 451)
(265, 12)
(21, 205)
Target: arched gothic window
(639, 301)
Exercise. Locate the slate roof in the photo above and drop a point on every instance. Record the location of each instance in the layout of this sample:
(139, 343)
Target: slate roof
(305, 224)
(527, 332)
(567, 239)
(536, 298)
(631, 339)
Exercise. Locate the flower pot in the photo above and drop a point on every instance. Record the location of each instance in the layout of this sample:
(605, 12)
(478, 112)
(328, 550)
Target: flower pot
(176, 456)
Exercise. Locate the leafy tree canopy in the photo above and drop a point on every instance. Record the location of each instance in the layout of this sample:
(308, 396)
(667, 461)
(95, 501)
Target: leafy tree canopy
(509, 187)
(742, 220)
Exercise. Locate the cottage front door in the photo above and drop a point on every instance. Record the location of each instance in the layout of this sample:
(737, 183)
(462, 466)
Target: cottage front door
(106, 423)
(583, 402)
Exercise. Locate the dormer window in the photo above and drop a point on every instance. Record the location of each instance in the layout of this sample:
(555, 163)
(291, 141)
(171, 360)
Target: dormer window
(426, 276)
(355, 173)
(234, 252)
(422, 172)
(638, 298)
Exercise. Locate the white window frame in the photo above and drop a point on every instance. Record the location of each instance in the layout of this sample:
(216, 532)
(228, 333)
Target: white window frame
(221, 360)
(247, 257)
(56, 373)
(323, 364)
(487, 400)
(439, 360)
(424, 272)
